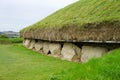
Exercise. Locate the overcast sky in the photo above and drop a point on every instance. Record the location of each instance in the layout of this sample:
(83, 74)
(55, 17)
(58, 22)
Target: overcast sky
(17, 14)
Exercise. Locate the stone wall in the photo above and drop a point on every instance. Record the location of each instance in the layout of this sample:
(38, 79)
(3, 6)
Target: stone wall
(66, 51)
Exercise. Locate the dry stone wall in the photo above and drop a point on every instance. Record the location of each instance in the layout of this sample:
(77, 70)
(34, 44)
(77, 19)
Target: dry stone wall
(66, 51)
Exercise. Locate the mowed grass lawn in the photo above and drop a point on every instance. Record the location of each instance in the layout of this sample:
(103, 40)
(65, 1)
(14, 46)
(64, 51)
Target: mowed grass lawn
(19, 63)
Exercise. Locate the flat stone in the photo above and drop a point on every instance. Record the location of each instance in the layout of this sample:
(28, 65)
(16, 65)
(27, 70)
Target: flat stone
(89, 52)
(69, 50)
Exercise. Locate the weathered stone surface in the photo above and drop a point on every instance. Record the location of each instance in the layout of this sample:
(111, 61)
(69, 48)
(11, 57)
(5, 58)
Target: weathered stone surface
(39, 46)
(69, 50)
(55, 49)
(46, 47)
(89, 52)
(76, 58)
(26, 43)
(32, 44)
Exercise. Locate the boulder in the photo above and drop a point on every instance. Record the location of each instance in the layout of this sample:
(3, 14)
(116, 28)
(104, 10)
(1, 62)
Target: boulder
(32, 44)
(39, 46)
(89, 52)
(69, 50)
(46, 49)
(26, 43)
(55, 49)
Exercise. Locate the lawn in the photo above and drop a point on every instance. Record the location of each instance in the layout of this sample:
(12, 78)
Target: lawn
(19, 63)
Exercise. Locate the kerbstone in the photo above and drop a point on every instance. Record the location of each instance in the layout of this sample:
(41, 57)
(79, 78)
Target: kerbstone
(89, 52)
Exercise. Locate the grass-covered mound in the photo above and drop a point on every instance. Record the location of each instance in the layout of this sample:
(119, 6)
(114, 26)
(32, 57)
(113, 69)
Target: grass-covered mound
(83, 20)
(19, 63)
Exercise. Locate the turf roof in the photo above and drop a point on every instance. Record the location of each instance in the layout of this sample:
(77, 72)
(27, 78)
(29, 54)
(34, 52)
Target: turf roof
(79, 15)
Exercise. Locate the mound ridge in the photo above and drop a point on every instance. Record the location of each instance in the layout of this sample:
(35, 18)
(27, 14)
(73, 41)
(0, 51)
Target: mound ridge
(84, 20)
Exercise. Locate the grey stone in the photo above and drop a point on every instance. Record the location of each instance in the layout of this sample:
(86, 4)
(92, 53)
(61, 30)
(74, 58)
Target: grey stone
(76, 58)
(89, 52)
(69, 50)
(39, 46)
(46, 47)
(26, 43)
(55, 49)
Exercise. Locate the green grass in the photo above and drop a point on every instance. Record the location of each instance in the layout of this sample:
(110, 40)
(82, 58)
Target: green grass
(19, 63)
(81, 13)
(10, 40)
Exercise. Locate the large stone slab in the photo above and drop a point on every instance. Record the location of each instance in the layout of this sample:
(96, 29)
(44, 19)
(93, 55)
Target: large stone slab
(55, 49)
(39, 46)
(26, 43)
(70, 50)
(89, 52)
(32, 44)
(46, 49)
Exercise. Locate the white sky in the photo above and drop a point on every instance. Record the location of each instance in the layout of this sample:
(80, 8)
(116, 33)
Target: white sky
(17, 14)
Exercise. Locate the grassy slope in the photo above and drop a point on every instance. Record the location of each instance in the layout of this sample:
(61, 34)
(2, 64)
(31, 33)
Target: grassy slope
(19, 63)
(80, 13)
